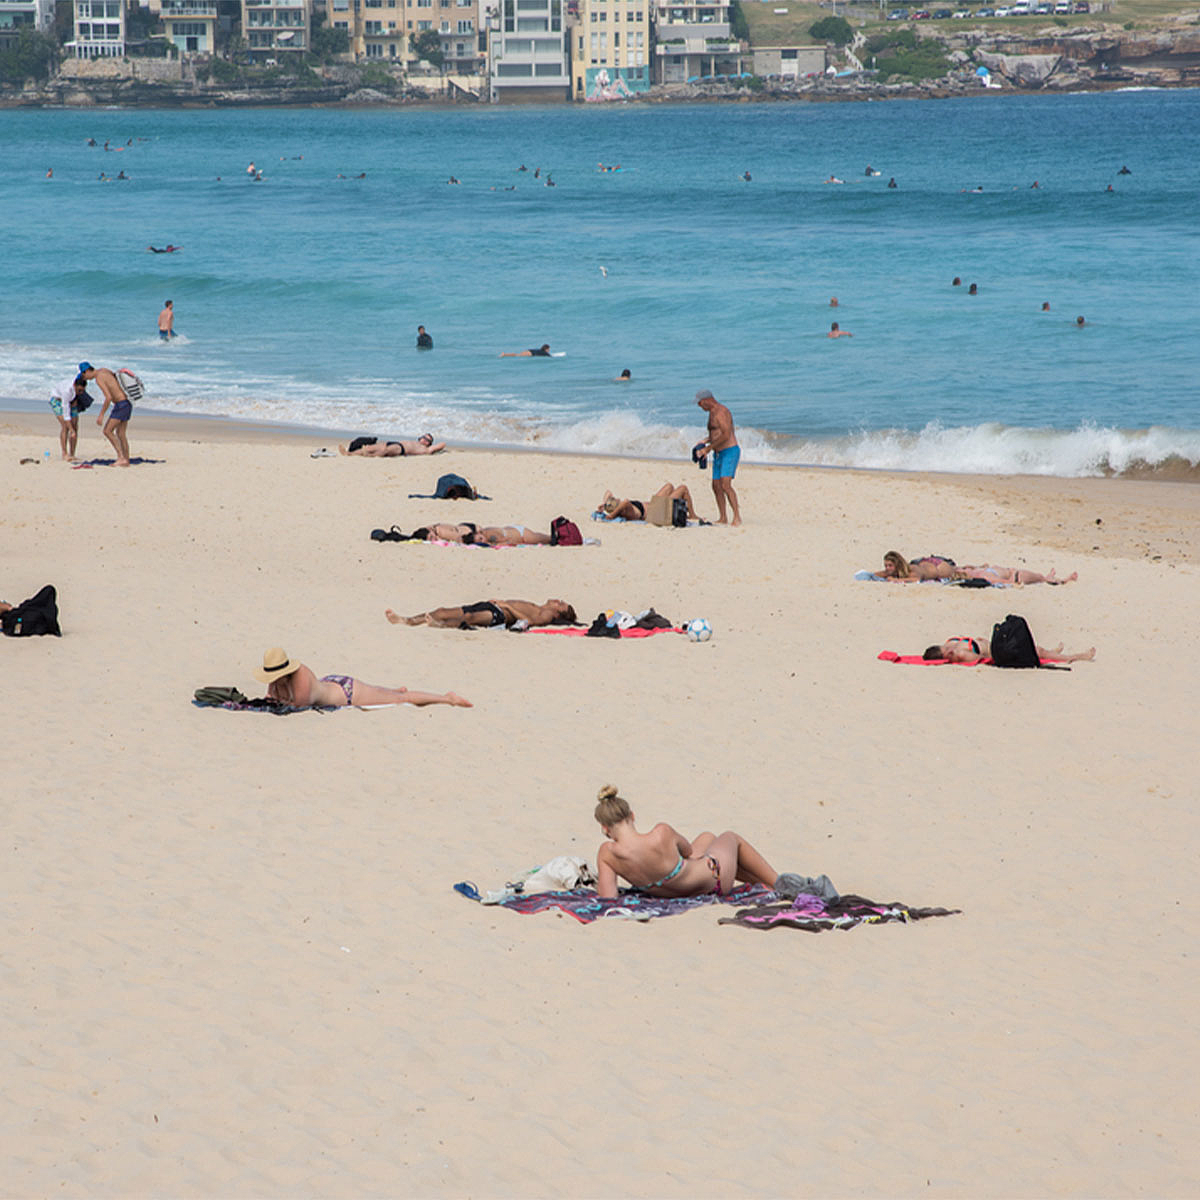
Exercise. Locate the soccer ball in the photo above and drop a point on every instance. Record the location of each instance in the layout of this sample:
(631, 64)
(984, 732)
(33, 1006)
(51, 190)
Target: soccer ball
(699, 630)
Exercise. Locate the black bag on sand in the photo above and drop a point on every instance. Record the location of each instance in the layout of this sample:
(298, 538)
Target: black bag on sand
(679, 512)
(33, 617)
(1013, 644)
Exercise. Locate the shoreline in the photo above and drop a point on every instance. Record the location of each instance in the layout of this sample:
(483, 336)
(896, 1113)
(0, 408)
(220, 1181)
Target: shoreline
(1119, 506)
(25, 417)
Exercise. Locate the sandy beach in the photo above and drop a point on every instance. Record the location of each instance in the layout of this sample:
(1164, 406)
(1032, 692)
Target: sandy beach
(234, 962)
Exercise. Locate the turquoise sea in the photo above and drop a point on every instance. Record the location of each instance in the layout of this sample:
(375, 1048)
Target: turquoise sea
(298, 296)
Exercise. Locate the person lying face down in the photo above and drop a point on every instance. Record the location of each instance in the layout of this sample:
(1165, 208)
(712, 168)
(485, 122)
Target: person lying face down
(467, 533)
(291, 682)
(635, 510)
(369, 447)
(487, 614)
(971, 650)
(664, 863)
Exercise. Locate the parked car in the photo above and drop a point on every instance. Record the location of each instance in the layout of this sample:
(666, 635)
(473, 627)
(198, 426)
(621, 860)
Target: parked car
(1082, 6)
(1022, 8)
(986, 12)
(962, 14)
(1044, 10)
(898, 14)
(922, 14)
(1003, 11)
(942, 14)
(1063, 6)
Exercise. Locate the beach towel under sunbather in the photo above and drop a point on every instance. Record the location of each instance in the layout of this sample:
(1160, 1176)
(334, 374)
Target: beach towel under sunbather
(235, 701)
(814, 915)
(580, 631)
(586, 906)
(915, 660)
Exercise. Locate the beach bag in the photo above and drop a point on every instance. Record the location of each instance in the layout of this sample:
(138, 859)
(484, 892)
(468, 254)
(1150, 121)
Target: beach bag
(34, 617)
(565, 533)
(1013, 644)
(679, 512)
(131, 385)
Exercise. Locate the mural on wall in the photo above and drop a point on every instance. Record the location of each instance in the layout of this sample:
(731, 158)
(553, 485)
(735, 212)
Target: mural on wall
(619, 83)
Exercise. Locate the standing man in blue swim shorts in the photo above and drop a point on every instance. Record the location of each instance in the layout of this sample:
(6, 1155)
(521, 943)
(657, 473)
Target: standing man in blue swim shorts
(722, 444)
(122, 409)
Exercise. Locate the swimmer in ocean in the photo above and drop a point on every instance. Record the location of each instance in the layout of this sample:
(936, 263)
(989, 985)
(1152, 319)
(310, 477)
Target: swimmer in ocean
(1045, 306)
(833, 302)
(973, 290)
(836, 332)
(1079, 322)
(626, 376)
(1124, 171)
(956, 282)
(542, 351)
(746, 176)
(892, 182)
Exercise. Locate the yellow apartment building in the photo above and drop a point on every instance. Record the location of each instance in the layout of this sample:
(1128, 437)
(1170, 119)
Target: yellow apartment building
(611, 49)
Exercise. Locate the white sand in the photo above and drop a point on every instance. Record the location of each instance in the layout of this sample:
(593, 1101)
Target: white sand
(233, 962)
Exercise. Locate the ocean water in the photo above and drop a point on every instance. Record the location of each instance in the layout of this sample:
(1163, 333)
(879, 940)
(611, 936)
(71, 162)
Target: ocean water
(298, 297)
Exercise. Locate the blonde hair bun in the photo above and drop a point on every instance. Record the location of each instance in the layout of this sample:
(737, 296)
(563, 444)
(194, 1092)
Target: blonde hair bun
(607, 791)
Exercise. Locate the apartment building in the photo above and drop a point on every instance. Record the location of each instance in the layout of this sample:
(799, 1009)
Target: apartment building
(191, 25)
(380, 29)
(693, 40)
(17, 14)
(528, 52)
(611, 49)
(99, 29)
(273, 27)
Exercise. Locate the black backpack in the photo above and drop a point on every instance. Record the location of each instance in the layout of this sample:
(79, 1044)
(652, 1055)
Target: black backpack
(34, 617)
(1013, 644)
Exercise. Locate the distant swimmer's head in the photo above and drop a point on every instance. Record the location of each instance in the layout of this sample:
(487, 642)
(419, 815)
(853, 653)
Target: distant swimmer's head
(1045, 306)
(611, 809)
(833, 328)
(833, 303)
(973, 290)
(956, 282)
(545, 347)
(1080, 321)
(705, 399)
(627, 374)
(420, 328)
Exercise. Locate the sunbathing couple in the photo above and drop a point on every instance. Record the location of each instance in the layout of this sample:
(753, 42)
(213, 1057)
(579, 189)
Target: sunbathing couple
(291, 682)
(466, 533)
(489, 614)
(974, 650)
(369, 447)
(635, 510)
(898, 569)
(664, 863)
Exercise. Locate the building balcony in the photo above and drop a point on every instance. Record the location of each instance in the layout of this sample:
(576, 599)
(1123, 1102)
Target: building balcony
(696, 45)
(201, 9)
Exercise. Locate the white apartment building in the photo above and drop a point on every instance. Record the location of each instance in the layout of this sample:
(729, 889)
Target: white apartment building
(99, 29)
(14, 14)
(274, 27)
(693, 40)
(528, 52)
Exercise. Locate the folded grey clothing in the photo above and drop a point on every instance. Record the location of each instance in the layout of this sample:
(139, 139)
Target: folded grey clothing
(789, 886)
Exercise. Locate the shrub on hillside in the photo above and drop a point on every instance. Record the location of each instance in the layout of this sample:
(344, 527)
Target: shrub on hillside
(832, 29)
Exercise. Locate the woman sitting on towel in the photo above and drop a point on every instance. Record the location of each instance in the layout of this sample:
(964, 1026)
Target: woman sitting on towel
(664, 863)
(490, 613)
(635, 510)
(974, 650)
(291, 682)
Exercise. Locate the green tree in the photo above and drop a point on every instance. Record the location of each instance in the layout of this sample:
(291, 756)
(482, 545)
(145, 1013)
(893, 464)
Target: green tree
(427, 45)
(32, 56)
(832, 29)
(326, 43)
(738, 27)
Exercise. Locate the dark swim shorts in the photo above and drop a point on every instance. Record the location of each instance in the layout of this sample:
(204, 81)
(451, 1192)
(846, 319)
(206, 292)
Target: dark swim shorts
(121, 411)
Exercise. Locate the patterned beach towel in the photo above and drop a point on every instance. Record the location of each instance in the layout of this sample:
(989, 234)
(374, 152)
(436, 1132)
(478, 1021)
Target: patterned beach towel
(585, 906)
(814, 915)
(915, 660)
(235, 701)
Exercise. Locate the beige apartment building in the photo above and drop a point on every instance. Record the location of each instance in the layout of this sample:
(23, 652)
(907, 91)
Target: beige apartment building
(611, 49)
(379, 30)
(275, 28)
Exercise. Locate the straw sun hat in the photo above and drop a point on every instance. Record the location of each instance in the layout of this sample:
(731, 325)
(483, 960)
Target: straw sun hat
(276, 664)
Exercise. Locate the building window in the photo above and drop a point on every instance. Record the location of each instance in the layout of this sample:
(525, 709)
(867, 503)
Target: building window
(512, 69)
(466, 26)
(423, 25)
(595, 45)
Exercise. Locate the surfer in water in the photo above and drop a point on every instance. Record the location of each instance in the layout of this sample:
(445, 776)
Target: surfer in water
(543, 351)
